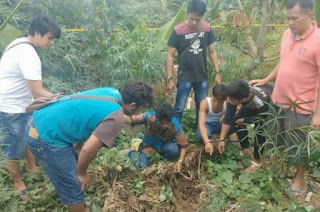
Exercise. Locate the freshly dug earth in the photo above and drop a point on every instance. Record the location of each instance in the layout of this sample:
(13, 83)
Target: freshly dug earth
(188, 188)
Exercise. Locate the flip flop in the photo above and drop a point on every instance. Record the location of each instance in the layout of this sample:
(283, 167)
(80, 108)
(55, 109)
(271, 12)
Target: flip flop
(294, 192)
(24, 192)
(24, 195)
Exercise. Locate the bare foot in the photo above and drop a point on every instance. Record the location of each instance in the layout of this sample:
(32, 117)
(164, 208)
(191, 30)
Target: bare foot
(19, 186)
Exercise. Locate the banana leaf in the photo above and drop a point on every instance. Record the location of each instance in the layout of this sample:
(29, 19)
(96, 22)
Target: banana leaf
(8, 34)
(166, 30)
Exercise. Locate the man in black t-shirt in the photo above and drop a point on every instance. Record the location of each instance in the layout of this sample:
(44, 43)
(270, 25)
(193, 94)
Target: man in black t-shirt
(192, 39)
(253, 101)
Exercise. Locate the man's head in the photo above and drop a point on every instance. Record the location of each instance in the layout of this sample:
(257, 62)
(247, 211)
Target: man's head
(299, 14)
(43, 31)
(135, 95)
(164, 114)
(237, 91)
(219, 94)
(195, 12)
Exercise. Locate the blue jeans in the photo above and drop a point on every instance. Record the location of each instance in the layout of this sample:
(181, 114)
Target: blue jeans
(212, 128)
(169, 150)
(60, 165)
(183, 90)
(12, 127)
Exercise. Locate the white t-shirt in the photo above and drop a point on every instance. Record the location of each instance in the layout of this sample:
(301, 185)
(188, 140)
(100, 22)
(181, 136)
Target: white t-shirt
(19, 63)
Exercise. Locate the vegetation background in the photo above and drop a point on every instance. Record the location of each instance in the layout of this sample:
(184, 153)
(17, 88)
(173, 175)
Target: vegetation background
(126, 40)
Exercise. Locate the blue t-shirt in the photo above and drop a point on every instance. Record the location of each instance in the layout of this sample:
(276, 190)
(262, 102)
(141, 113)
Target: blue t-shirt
(156, 141)
(73, 120)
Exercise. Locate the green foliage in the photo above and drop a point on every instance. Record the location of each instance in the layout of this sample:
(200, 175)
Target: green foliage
(166, 30)
(317, 10)
(7, 32)
(297, 150)
(188, 123)
(226, 174)
(137, 185)
(166, 196)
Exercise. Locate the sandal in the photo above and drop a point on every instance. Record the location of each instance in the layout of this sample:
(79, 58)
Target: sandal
(24, 194)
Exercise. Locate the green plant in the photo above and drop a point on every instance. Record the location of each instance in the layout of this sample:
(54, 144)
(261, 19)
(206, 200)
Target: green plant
(189, 124)
(166, 195)
(137, 185)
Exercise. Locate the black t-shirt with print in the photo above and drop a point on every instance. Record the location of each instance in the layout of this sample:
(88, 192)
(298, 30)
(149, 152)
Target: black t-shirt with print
(193, 63)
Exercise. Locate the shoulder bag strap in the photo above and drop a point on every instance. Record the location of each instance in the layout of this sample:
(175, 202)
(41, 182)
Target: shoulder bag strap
(106, 98)
(24, 42)
(187, 49)
(191, 42)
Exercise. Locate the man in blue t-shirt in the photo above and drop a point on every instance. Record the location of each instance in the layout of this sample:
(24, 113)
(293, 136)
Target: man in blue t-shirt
(163, 134)
(192, 39)
(92, 117)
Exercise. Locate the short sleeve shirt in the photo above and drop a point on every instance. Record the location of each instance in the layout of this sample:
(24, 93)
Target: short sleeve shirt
(18, 64)
(298, 78)
(193, 63)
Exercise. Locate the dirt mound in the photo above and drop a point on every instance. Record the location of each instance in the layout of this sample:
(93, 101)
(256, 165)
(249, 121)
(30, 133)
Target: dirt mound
(159, 178)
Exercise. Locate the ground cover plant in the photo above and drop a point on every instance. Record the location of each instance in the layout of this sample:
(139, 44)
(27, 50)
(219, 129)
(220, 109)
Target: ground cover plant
(121, 42)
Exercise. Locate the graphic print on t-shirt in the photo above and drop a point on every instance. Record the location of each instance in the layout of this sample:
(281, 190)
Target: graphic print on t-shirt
(195, 47)
(193, 63)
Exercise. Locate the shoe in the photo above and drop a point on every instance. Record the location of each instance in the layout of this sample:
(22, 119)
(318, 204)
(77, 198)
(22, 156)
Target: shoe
(135, 143)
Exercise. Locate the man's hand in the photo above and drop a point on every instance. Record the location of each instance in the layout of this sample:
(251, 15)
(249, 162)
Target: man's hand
(85, 181)
(217, 79)
(239, 123)
(170, 85)
(258, 82)
(221, 146)
(209, 147)
(315, 122)
(177, 166)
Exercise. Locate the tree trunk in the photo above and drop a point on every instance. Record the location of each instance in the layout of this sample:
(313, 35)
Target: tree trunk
(263, 29)
(249, 37)
(317, 11)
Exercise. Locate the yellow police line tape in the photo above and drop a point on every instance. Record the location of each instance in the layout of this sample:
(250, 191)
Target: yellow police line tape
(156, 29)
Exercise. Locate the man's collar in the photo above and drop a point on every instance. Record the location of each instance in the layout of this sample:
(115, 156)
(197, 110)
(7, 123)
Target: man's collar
(307, 34)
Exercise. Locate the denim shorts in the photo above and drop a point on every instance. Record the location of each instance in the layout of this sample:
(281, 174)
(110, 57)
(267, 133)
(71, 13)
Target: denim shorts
(60, 165)
(12, 139)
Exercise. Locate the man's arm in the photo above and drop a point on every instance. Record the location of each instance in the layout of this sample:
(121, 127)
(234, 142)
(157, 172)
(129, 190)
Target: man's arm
(87, 154)
(37, 89)
(214, 59)
(169, 68)
(271, 77)
(178, 165)
(315, 121)
(202, 126)
(182, 142)
(226, 123)
(202, 121)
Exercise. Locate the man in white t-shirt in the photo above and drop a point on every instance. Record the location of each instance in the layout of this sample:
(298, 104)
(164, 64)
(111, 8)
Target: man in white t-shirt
(20, 82)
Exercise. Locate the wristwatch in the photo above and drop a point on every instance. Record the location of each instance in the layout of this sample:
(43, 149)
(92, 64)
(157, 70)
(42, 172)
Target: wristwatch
(180, 160)
(169, 78)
